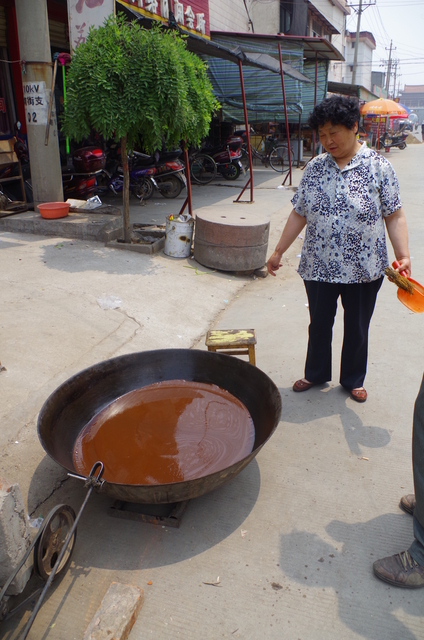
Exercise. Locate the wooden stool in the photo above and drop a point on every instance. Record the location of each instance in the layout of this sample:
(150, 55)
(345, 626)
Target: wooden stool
(233, 342)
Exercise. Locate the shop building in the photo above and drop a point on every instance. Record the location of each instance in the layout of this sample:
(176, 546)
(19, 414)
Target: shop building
(12, 107)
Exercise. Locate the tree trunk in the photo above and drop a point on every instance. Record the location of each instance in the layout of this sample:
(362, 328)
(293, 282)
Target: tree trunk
(126, 191)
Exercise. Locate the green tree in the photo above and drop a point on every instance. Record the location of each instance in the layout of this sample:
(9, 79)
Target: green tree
(137, 86)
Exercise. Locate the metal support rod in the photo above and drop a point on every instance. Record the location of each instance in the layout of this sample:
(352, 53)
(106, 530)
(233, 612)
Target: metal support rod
(246, 122)
(299, 141)
(188, 178)
(189, 200)
(315, 102)
(286, 118)
(49, 116)
(377, 144)
(183, 208)
(243, 190)
(64, 104)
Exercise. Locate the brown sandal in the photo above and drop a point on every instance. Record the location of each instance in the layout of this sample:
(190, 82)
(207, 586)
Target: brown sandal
(301, 385)
(359, 395)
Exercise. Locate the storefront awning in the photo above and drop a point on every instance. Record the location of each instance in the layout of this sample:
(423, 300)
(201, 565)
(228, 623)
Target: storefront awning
(357, 90)
(263, 90)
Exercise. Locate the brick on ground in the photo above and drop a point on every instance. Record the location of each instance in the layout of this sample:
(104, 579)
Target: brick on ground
(117, 613)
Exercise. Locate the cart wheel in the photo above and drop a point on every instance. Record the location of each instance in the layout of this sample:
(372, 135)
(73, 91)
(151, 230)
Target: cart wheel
(52, 538)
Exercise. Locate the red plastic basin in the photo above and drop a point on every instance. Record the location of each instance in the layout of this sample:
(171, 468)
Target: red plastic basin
(51, 210)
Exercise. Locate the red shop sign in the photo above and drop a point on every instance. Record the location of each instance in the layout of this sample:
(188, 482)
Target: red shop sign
(191, 15)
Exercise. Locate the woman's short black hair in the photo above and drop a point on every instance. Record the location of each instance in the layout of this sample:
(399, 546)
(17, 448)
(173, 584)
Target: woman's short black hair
(337, 110)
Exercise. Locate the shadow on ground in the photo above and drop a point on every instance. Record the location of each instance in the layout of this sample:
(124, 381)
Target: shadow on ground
(110, 543)
(325, 402)
(346, 568)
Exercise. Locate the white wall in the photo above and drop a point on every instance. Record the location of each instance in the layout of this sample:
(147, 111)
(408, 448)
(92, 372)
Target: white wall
(336, 16)
(229, 15)
(364, 68)
(332, 12)
(266, 17)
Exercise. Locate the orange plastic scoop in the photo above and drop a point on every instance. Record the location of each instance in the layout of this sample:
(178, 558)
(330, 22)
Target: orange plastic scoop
(415, 300)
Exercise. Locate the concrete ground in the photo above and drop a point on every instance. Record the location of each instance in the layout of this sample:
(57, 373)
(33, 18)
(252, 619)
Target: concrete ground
(292, 539)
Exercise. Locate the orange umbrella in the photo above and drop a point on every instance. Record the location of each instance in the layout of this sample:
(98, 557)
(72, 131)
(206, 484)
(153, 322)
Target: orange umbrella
(383, 107)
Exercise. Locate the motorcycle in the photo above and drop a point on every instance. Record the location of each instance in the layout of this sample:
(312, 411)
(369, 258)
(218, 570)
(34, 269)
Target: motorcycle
(163, 170)
(80, 178)
(142, 185)
(227, 157)
(394, 139)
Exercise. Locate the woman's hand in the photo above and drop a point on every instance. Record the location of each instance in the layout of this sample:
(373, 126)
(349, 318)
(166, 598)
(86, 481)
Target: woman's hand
(274, 263)
(404, 265)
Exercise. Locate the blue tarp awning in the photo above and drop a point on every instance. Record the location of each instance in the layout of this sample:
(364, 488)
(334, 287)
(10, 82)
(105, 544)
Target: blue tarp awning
(263, 89)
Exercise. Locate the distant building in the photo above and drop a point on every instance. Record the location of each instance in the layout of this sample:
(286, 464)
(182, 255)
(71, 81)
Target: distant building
(412, 97)
(378, 81)
(365, 48)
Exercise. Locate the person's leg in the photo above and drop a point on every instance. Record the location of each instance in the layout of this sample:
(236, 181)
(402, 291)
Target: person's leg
(406, 569)
(358, 302)
(322, 299)
(417, 548)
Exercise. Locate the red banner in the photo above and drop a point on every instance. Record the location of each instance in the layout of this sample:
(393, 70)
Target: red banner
(191, 15)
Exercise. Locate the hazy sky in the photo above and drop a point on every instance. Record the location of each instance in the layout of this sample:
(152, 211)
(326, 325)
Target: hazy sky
(403, 22)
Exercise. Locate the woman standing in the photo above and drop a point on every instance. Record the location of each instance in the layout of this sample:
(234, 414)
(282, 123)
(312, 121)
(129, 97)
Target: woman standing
(346, 199)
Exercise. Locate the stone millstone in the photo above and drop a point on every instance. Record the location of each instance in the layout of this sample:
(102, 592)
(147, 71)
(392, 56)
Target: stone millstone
(233, 242)
(117, 613)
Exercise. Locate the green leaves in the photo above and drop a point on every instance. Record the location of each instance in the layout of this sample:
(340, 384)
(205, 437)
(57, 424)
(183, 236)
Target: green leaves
(125, 80)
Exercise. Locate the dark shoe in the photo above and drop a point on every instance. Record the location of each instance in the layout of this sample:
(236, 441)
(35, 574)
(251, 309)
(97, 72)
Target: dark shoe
(301, 385)
(400, 570)
(359, 395)
(408, 503)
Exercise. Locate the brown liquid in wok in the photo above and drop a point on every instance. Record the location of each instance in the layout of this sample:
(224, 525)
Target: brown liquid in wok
(167, 432)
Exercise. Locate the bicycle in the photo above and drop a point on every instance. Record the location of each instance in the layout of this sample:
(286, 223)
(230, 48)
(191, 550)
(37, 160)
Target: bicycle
(203, 168)
(275, 154)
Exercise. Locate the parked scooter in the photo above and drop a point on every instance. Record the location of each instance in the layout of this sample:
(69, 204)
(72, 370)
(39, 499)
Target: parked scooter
(164, 170)
(394, 139)
(227, 157)
(79, 178)
(142, 185)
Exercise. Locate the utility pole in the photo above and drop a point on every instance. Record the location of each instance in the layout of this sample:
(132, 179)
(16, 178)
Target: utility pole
(355, 55)
(37, 73)
(395, 64)
(361, 8)
(389, 68)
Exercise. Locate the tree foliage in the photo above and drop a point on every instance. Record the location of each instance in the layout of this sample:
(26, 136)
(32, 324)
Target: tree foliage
(126, 81)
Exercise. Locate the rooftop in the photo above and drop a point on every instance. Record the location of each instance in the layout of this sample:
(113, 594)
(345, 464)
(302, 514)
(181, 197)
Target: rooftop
(413, 88)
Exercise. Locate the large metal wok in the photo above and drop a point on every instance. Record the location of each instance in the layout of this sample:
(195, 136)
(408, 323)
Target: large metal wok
(66, 412)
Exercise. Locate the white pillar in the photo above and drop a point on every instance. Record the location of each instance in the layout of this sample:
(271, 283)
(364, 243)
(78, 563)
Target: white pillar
(34, 46)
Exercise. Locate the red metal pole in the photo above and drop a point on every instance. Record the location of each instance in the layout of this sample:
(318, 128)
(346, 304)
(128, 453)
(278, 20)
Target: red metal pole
(378, 135)
(315, 102)
(285, 113)
(246, 122)
(188, 201)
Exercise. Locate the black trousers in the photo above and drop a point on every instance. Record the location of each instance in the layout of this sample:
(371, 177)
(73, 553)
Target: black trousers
(358, 302)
